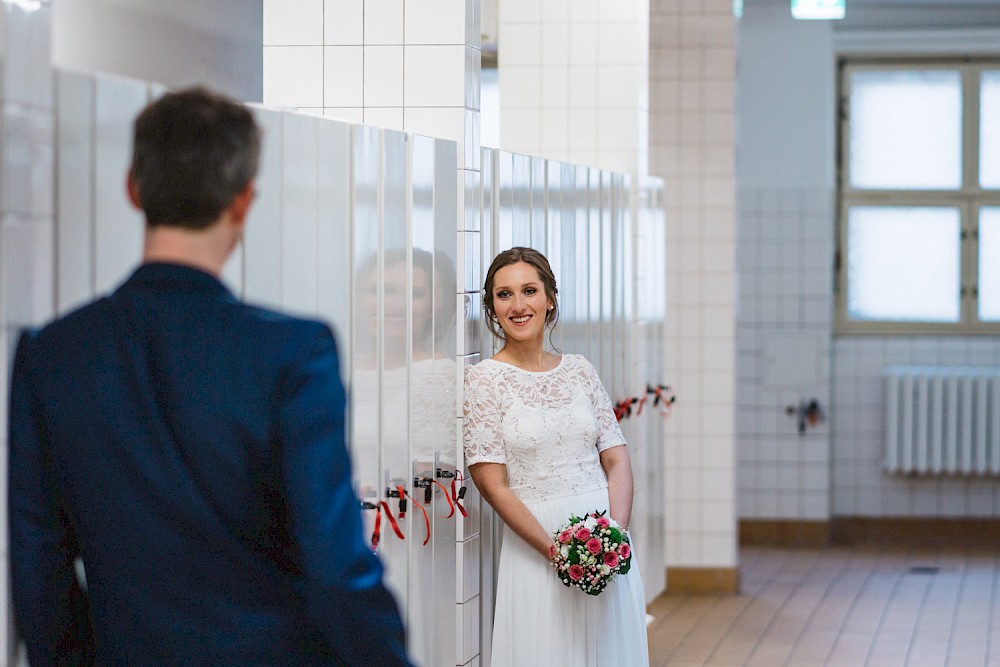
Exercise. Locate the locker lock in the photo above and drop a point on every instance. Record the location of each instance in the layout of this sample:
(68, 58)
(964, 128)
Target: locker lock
(395, 493)
(425, 484)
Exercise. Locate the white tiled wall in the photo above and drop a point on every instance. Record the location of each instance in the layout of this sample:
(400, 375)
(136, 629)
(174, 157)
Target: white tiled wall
(574, 81)
(692, 147)
(860, 488)
(783, 352)
(347, 59)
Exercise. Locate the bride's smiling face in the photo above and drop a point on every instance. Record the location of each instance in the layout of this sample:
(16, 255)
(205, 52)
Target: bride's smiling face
(520, 302)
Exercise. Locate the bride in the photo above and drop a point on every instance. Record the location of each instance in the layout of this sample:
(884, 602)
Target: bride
(542, 444)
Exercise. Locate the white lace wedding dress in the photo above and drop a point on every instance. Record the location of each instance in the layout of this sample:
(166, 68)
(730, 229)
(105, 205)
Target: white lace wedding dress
(548, 428)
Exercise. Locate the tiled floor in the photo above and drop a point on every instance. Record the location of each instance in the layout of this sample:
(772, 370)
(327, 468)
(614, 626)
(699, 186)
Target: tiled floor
(840, 607)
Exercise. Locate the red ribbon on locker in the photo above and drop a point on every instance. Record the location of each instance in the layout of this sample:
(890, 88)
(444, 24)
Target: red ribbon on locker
(427, 519)
(383, 506)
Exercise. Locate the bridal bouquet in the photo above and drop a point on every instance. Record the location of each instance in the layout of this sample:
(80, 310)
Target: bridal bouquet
(589, 552)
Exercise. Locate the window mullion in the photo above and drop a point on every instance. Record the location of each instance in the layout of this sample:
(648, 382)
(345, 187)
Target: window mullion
(971, 186)
(969, 263)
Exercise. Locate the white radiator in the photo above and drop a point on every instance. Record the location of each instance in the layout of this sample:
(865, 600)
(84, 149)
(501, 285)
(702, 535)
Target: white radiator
(942, 420)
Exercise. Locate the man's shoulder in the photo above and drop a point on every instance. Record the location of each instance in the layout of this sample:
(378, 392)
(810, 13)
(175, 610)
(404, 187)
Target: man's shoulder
(280, 322)
(75, 319)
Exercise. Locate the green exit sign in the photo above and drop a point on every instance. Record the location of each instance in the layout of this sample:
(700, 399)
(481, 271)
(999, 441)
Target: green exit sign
(818, 9)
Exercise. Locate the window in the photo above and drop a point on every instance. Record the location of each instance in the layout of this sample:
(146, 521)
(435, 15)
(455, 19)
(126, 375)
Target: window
(919, 214)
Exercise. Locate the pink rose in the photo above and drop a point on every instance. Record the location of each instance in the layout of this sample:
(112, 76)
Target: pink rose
(602, 522)
(566, 536)
(582, 533)
(625, 550)
(553, 551)
(611, 559)
(575, 572)
(594, 545)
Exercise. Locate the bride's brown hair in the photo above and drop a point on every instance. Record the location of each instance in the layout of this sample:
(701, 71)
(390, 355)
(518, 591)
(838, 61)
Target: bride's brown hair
(533, 258)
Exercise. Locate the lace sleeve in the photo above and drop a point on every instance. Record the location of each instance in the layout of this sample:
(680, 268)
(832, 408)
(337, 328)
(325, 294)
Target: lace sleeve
(609, 433)
(481, 428)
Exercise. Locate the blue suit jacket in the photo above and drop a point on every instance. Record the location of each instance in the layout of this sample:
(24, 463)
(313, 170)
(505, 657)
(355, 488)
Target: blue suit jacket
(190, 450)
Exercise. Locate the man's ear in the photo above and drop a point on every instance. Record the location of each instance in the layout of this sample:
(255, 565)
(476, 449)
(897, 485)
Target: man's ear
(132, 188)
(240, 207)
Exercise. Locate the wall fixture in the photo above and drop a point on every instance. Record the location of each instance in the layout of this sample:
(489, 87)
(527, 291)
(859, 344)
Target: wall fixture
(818, 9)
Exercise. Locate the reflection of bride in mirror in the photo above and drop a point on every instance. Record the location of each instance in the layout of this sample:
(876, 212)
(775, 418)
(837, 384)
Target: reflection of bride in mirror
(433, 432)
(415, 403)
(432, 378)
(426, 386)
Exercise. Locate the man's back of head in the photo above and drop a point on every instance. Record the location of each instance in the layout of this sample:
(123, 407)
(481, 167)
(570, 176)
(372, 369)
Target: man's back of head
(194, 151)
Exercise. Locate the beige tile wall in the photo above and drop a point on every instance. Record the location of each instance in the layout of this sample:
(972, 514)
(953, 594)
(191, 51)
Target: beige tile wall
(692, 147)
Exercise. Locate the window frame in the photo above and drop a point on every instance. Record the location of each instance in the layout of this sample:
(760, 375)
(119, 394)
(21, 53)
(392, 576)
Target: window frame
(968, 199)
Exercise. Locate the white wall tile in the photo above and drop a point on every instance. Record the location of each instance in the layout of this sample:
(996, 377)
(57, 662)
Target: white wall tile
(435, 22)
(582, 84)
(293, 22)
(469, 151)
(521, 44)
(521, 87)
(620, 43)
(383, 76)
(554, 85)
(584, 43)
(617, 129)
(619, 85)
(555, 44)
(469, 267)
(468, 630)
(555, 130)
(344, 22)
(293, 76)
(383, 21)
(343, 76)
(435, 76)
(555, 11)
(584, 11)
(518, 11)
(473, 78)
(467, 571)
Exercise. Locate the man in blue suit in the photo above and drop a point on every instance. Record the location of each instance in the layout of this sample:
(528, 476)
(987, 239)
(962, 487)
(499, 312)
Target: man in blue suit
(179, 487)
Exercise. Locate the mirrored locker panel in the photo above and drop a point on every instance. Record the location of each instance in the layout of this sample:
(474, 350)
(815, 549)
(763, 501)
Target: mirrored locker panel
(443, 371)
(395, 356)
(75, 190)
(333, 234)
(422, 390)
(118, 227)
(299, 212)
(538, 205)
(365, 326)
(262, 268)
